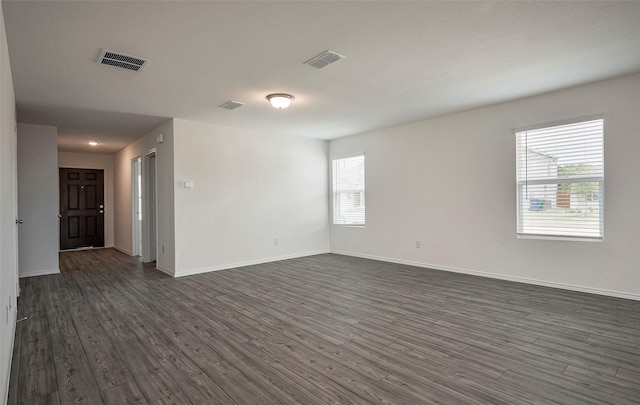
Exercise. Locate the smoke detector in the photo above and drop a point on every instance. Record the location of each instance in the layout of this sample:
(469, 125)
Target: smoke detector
(232, 105)
(122, 60)
(324, 59)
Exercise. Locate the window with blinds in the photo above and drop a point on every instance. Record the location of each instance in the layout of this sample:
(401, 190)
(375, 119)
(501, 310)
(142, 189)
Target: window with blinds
(348, 191)
(560, 180)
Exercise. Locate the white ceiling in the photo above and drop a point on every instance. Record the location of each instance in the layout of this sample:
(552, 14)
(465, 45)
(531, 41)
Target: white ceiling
(405, 61)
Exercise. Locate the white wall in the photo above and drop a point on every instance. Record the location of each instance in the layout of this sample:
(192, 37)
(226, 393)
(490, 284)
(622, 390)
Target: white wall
(96, 161)
(38, 201)
(122, 194)
(450, 183)
(249, 188)
(8, 203)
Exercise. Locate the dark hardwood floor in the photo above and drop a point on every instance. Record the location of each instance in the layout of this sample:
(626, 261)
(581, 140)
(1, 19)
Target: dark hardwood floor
(318, 330)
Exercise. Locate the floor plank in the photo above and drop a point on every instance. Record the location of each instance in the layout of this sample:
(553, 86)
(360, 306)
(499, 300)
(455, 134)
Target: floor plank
(127, 393)
(315, 330)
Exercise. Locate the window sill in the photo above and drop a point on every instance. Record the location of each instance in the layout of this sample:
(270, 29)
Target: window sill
(561, 238)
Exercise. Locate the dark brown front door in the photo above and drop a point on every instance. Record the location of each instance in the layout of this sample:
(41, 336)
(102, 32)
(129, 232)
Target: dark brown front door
(81, 208)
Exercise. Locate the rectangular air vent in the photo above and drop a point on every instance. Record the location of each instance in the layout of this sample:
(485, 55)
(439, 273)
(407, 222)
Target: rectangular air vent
(324, 59)
(121, 60)
(231, 105)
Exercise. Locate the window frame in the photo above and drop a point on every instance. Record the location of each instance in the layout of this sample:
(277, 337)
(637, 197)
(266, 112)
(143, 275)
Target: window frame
(336, 193)
(520, 185)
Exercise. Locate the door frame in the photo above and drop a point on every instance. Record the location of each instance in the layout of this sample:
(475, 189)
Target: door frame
(149, 207)
(16, 208)
(108, 197)
(136, 190)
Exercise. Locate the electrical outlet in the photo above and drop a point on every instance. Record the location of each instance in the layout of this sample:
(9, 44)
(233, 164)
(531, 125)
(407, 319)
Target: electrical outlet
(162, 248)
(418, 243)
(275, 241)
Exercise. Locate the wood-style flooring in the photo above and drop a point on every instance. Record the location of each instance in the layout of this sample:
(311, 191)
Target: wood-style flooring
(317, 330)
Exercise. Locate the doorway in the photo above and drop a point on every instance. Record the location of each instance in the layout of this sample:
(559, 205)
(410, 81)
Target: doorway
(81, 208)
(149, 208)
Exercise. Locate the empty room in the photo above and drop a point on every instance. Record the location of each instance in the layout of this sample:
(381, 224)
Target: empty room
(319, 202)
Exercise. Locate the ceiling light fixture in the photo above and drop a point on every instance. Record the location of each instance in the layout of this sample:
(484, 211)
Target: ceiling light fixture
(280, 100)
(93, 143)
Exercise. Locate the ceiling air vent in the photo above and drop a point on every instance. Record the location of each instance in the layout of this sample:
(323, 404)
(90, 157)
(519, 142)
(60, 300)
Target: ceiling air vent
(231, 105)
(324, 59)
(121, 60)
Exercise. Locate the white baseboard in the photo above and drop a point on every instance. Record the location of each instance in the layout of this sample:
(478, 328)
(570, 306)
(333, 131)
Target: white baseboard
(12, 322)
(166, 271)
(80, 249)
(247, 263)
(125, 251)
(35, 273)
(129, 253)
(543, 283)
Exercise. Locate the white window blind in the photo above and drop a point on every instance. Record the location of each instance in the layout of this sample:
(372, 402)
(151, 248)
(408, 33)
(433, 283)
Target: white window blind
(348, 191)
(560, 180)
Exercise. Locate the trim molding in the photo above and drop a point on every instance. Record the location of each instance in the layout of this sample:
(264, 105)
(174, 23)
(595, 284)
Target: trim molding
(165, 270)
(12, 321)
(125, 251)
(248, 263)
(524, 280)
(35, 273)
(85, 248)
(129, 253)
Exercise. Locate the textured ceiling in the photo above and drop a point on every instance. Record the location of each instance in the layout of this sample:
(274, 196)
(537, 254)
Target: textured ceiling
(405, 61)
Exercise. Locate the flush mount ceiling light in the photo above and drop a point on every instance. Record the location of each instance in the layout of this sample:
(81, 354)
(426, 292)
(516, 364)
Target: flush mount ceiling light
(93, 143)
(280, 100)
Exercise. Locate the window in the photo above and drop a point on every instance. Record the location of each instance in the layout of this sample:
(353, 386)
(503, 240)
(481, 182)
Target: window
(560, 180)
(348, 191)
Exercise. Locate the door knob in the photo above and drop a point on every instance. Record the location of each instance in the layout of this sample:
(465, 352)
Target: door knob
(19, 221)
(102, 211)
